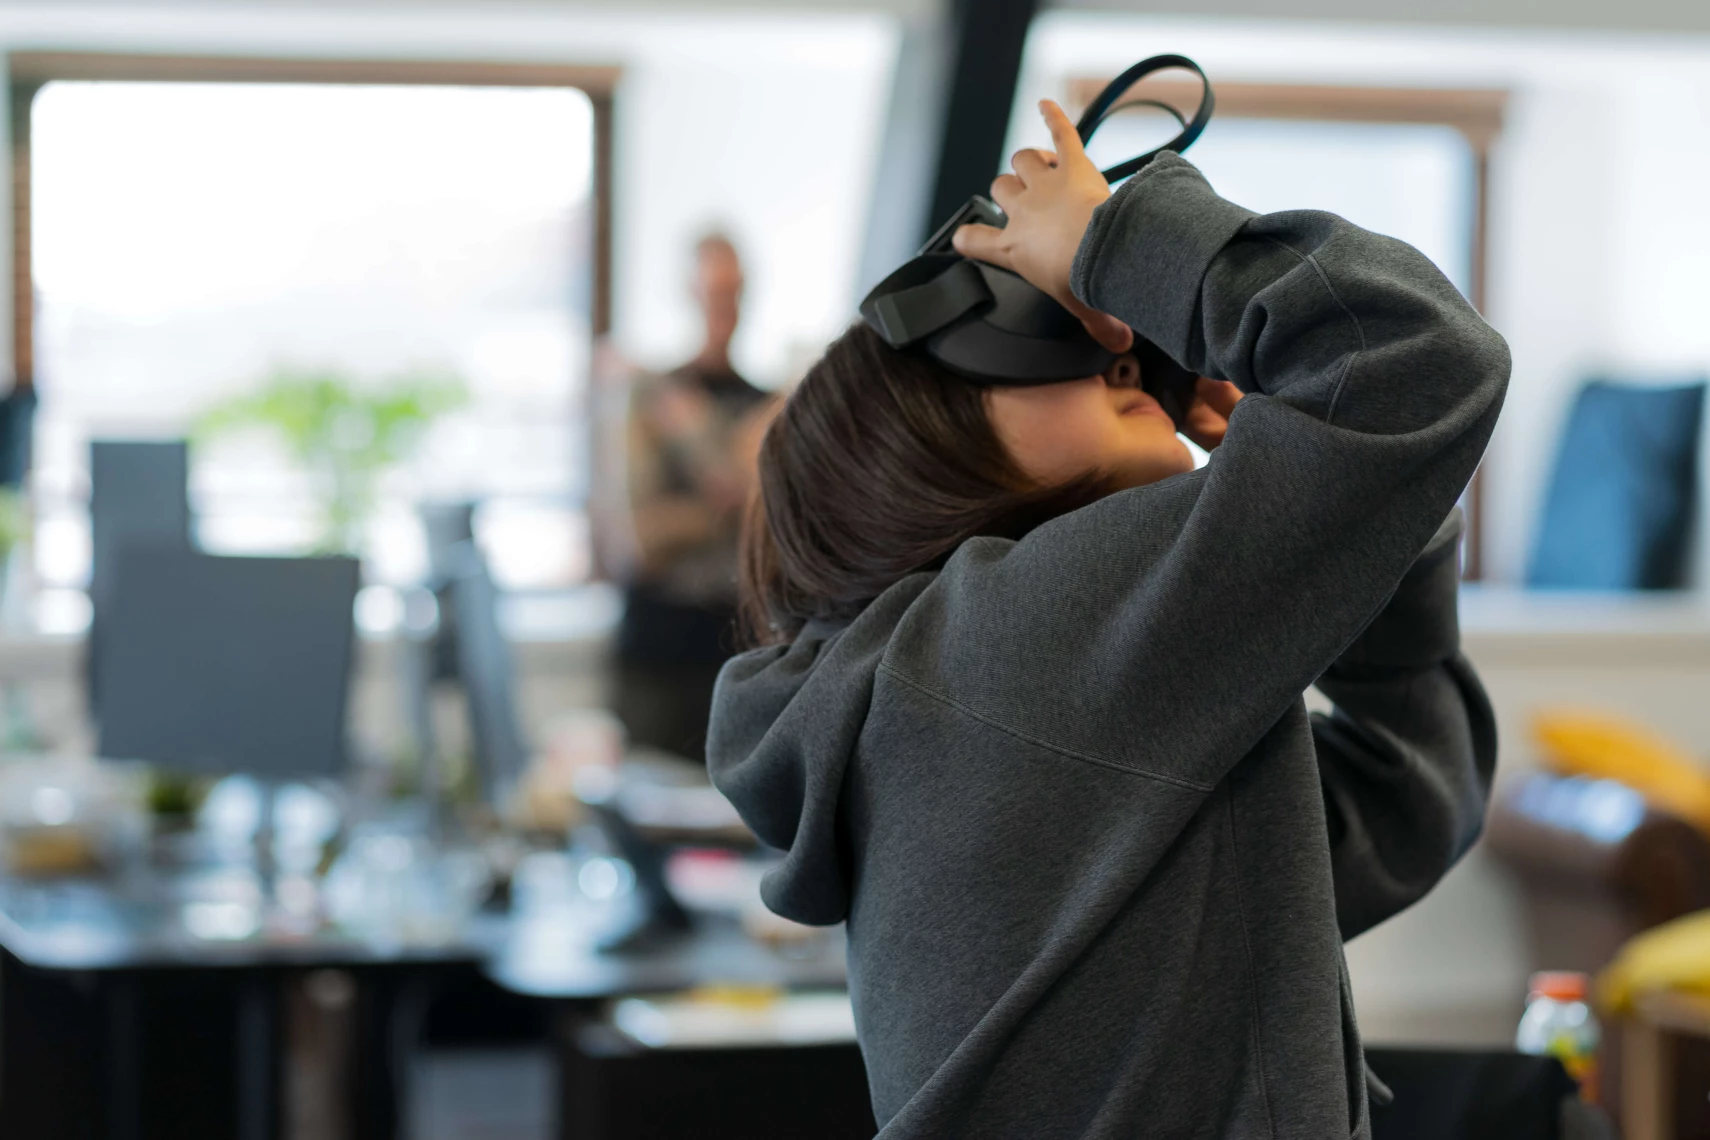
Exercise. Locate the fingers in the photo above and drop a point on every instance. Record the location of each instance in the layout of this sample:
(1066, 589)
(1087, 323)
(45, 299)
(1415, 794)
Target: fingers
(1208, 418)
(1111, 333)
(1204, 426)
(982, 243)
(1219, 395)
(1064, 137)
(1033, 162)
(1006, 188)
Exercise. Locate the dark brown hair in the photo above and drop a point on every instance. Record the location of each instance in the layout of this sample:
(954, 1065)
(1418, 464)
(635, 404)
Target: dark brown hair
(880, 463)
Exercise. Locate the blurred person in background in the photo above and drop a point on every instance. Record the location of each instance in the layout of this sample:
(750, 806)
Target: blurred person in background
(690, 440)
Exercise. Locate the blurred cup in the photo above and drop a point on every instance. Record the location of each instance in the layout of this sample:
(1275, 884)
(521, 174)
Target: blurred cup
(62, 816)
(581, 745)
(394, 889)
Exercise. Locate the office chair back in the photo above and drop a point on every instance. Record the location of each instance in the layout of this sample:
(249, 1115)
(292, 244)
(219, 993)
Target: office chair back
(487, 673)
(227, 664)
(138, 493)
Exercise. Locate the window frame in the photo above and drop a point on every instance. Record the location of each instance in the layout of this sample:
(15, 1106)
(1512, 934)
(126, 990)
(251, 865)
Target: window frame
(1476, 113)
(29, 71)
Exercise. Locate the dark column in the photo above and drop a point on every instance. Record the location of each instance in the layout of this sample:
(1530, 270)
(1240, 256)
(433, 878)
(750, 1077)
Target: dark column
(944, 133)
(989, 38)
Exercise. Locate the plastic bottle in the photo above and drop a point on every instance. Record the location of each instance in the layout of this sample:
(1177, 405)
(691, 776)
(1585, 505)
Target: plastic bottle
(1559, 1023)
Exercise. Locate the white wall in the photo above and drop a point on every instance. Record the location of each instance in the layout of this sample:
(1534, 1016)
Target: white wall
(765, 123)
(1597, 248)
(1634, 15)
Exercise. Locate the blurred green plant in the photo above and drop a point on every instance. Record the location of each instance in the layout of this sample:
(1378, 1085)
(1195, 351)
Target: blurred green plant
(459, 782)
(175, 795)
(345, 434)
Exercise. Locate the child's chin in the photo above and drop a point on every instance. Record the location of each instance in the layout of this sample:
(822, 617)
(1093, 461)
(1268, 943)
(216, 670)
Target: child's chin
(1183, 459)
(1174, 454)
(1158, 465)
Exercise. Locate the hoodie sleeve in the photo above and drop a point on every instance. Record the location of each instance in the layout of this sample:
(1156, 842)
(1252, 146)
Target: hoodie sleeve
(1164, 629)
(780, 751)
(1406, 757)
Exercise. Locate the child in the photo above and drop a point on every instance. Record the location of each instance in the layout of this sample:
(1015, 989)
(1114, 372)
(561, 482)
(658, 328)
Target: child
(1030, 718)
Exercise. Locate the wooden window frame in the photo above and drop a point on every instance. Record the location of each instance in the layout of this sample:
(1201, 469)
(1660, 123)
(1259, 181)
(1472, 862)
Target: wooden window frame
(1476, 113)
(30, 71)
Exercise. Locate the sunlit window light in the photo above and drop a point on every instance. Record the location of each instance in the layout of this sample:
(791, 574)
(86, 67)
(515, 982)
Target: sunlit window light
(192, 239)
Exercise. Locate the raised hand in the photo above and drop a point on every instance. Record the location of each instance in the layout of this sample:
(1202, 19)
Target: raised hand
(1049, 199)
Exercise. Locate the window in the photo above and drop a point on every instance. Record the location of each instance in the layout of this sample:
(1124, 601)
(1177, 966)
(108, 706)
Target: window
(1410, 162)
(191, 240)
(1413, 181)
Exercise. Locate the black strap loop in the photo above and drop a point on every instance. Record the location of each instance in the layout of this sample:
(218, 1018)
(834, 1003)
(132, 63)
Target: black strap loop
(1105, 104)
(1181, 119)
(913, 314)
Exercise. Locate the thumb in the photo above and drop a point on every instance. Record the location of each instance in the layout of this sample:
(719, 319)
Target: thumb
(1109, 331)
(982, 243)
(1219, 395)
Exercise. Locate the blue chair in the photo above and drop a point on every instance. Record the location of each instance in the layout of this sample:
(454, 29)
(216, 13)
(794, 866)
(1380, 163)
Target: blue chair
(1620, 507)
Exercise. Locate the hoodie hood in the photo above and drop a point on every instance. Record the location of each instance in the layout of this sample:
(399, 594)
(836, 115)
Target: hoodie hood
(785, 723)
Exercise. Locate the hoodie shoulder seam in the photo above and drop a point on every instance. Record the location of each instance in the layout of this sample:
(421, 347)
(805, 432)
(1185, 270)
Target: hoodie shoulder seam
(1008, 730)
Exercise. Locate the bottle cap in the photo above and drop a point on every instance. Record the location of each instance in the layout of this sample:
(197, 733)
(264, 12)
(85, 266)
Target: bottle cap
(1560, 985)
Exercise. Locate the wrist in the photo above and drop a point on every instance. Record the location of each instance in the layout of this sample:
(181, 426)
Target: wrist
(1147, 248)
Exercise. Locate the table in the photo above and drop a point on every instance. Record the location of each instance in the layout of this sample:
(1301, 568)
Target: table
(548, 959)
(1647, 1059)
(113, 960)
(124, 947)
(609, 1086)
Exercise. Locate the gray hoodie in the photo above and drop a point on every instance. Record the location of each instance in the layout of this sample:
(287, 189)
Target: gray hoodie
(1096, 859)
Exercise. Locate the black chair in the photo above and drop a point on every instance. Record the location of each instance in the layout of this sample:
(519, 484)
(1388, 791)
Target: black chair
(467, 648)
(487, 673)
(613, 1089)
(222, 665)
(17, 429)
(138, 495)
(1456, 1095)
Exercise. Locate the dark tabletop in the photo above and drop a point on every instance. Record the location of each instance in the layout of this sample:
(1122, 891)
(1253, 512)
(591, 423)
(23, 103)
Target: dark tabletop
(111, 925)
(108, 924)
(543, 957)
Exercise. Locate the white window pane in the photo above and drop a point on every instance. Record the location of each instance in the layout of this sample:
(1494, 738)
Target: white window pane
(191, 239)
(61, 543)
(533, 546)
(1411, 181)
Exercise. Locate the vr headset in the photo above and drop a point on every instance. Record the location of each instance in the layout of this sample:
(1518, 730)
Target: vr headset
(991, 326)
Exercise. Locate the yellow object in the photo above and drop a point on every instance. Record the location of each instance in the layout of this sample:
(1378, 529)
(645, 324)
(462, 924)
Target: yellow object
(51, 851)
(1606, 748)
(1673, 956)
(746, 997)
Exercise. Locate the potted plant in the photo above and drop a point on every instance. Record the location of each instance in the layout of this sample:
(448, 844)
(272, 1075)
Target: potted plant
(343, 433)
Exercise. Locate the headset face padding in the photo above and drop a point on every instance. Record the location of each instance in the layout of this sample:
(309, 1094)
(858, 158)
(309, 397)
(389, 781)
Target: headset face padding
(983, 323)
(992, 328)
